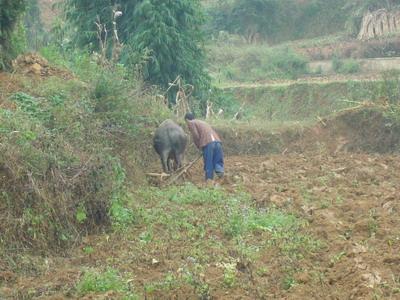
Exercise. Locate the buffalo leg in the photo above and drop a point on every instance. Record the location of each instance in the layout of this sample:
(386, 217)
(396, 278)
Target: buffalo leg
(164, 161)
(179, 158)
(170, 165)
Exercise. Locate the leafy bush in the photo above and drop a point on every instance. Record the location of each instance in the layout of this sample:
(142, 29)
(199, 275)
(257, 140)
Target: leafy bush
(9, 41)
(347, 66)
(225, 101)
(256, 63)
(67, 146)
(58, 186)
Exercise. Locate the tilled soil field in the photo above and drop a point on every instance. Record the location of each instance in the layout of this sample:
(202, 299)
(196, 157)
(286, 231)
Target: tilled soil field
(350, 203)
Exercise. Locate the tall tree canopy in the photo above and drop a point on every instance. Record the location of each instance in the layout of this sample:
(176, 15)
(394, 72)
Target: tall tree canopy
(33, 24)
(279, 20)
(10, 10)
(371, 4)
(164, 34)
(254, 17)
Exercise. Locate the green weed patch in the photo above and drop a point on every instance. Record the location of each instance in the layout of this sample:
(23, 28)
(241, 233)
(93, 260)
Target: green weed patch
(203, 227)
(109, 280)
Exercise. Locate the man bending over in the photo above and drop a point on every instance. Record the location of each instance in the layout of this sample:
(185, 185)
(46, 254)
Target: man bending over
(207, 140)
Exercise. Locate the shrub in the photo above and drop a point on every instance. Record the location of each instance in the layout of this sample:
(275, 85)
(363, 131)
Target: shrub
(10, 42)
(225, 101)
(66, 146)
(52, 187)
(257, 63)
(347, 66)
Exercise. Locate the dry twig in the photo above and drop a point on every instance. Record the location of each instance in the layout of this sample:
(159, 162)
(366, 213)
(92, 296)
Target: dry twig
(321, 120)
(182, 96)
(102, 39)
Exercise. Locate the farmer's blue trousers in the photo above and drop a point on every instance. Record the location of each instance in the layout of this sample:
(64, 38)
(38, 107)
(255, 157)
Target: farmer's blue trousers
(213, 159)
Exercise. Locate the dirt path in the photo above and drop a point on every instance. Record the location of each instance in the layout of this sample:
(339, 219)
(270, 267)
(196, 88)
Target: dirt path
(305, 80)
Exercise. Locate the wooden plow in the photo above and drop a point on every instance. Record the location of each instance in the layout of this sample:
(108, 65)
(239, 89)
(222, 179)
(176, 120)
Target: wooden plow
(164, 179)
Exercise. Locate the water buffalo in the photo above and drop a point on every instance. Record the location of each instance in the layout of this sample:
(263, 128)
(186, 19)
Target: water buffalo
(170, 142)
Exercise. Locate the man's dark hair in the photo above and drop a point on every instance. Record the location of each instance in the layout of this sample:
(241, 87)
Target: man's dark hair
(189, 116)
